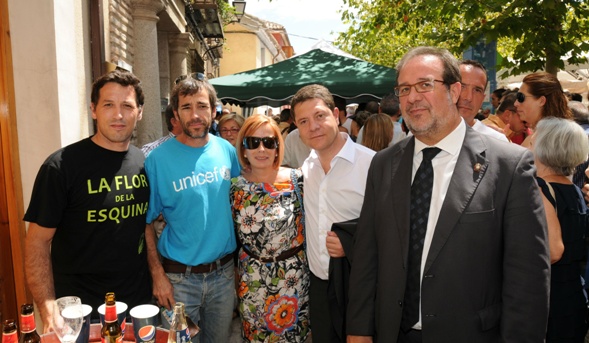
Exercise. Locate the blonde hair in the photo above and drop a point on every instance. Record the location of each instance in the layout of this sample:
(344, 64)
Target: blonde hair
(238, 118)
(378, 132)
(250, 126)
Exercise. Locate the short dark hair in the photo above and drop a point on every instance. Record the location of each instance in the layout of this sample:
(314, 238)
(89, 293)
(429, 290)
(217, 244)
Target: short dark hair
(285, 115)
(576, 97)
(476, 64)
(340, 103)
(580, 112)
(312, 92)
(190, 86)
(507, 101)
(168, 115)
(389, 104)
(499, 92)
(372, 107)
(123, 78)
(451, 72)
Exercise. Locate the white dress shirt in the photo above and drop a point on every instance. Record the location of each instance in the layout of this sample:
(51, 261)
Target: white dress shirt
(333, 197)
(443, 165)
(484, 129)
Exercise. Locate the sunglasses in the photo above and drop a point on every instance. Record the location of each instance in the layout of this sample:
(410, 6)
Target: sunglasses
(252, 143)
(520, 97)
(196, 76)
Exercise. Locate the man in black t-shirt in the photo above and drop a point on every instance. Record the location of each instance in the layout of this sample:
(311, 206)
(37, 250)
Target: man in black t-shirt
(86, 235)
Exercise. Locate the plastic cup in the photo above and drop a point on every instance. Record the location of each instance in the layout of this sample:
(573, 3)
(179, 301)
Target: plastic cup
(84, 336)
(121, 315)
(144, 319)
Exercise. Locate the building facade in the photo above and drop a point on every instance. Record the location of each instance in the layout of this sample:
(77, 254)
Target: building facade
(50, 53)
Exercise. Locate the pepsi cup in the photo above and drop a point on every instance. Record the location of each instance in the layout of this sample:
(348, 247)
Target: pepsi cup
(121, 315)
(144, 322)
(84, 335)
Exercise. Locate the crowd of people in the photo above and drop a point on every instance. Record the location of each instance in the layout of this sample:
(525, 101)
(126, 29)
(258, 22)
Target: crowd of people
(415, 219)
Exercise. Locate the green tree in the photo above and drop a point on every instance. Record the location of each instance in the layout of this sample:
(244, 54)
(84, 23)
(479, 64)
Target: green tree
(533, 34)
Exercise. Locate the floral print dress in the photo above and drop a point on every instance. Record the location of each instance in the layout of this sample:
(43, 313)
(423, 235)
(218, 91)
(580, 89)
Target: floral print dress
(273, 296)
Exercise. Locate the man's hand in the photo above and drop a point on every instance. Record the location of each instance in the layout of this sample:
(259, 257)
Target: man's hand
(163, 291)
(334, 246)
(586, 187)
(46, 314)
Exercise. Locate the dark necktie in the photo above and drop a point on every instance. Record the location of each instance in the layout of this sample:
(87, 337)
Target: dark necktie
(421, 194)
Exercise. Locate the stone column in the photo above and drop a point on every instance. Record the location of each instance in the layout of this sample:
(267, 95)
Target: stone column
(178, 55)
(146, 67)
(164, 60)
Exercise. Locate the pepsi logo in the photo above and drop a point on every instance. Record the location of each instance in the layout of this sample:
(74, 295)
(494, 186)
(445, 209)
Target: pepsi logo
(146, 333)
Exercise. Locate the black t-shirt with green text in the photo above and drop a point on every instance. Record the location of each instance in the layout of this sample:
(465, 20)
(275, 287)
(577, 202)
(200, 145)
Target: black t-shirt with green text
(97, 200)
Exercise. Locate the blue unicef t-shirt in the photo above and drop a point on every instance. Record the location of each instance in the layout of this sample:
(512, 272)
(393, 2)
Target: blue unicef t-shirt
(190, 186)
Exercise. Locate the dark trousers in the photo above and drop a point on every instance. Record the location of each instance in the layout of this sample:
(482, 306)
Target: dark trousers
(321, 327)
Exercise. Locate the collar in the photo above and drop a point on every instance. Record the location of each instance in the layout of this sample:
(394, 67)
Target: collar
(451, 144)
(347, 152)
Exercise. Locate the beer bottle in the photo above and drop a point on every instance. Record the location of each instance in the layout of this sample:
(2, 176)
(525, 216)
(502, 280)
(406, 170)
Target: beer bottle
(28, 329)
(9, 332)
(111, 330)
(179, 332)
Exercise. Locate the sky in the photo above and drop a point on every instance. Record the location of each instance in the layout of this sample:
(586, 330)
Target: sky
(316, 19)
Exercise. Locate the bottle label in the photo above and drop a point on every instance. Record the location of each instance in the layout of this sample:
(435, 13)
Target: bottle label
(110, 313)
(27, 323)
(183, 336)
(10, 337)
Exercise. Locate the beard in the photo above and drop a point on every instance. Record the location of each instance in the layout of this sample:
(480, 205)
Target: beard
(431, 125)
(196, 133)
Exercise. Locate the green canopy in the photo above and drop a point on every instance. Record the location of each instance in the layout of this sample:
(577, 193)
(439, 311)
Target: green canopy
(352, 79)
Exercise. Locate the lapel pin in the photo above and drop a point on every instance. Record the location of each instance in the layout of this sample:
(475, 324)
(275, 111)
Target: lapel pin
(477, 167)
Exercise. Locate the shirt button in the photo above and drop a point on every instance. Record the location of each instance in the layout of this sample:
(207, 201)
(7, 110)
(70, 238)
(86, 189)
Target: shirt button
(400, 303)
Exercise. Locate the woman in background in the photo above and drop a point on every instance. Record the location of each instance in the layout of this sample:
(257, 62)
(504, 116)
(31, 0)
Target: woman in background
(378, 132)
(267, 209)
(559, 145)
(229, 126)
(540, 96)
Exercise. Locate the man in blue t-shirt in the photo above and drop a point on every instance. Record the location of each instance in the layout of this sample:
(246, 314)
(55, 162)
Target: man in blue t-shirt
(190, 178)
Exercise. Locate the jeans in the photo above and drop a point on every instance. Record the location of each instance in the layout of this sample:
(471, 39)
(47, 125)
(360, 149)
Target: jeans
(209, 301)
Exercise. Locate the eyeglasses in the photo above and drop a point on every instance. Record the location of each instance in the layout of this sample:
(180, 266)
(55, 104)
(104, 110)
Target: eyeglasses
(252, 143)
(420, 87)
(520, 97)
(226, 131)
(197, 76)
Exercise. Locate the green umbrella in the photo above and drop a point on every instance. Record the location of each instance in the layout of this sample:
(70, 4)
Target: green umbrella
(274, 85)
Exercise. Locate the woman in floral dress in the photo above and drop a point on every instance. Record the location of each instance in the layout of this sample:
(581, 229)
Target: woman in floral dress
(267, 211)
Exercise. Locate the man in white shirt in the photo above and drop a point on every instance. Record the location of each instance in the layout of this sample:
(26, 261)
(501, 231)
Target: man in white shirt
(474, 83)
(335, 178)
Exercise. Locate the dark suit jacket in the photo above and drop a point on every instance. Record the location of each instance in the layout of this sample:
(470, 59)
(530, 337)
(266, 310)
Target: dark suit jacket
(486, 277)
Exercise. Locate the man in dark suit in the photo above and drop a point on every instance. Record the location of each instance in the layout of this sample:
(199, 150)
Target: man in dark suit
(483, 266)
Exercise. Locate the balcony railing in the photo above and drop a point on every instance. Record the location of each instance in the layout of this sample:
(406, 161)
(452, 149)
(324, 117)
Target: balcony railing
(204, 15)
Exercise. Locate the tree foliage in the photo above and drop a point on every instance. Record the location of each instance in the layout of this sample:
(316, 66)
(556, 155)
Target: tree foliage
(533, 34)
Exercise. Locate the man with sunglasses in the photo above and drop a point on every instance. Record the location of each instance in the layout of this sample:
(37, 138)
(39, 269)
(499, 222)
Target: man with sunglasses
(334, 182)
(451, 245)
(190, 178)
(474, 84)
